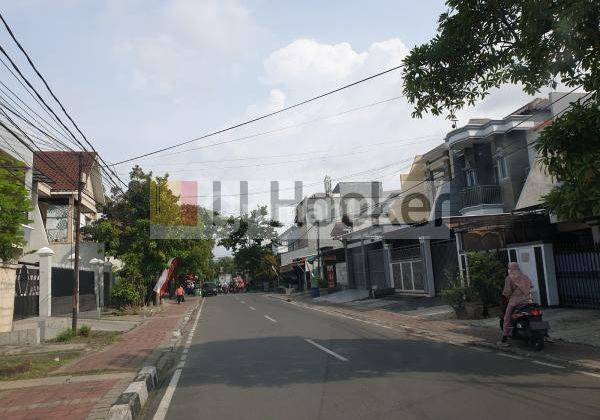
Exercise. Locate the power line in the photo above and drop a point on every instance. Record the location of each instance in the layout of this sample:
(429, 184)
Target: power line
(277, 163)
(261, 117)
(273, 131)
(33, 66)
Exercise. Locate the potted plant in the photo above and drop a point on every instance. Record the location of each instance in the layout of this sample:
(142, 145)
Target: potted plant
(14, 205)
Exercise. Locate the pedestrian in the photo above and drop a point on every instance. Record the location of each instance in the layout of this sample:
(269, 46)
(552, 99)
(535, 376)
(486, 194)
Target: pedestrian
(517, 290)
(179, 293)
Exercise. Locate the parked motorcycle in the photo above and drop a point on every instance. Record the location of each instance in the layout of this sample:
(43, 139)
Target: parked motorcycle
(527, 324)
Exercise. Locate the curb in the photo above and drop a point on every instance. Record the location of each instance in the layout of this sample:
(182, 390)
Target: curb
(130, 403)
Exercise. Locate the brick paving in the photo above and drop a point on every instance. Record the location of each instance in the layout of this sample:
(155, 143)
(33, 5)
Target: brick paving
(91, 399)
(134, 346)
(66, 401)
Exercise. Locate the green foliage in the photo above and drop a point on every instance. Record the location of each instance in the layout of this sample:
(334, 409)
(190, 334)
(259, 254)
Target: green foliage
(455, 294)
(570, 150)
(486, 277)
(225, 265)
(85, 330)
(145, 227)
(250, 237)
(14, 205)
(65, 335)
(127, 292)
(483, 44)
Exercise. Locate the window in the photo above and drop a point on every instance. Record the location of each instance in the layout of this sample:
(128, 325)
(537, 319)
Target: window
(470, 177)
(56, 222)
(501, 172)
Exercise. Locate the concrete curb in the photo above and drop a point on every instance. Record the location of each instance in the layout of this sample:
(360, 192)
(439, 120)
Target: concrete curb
(131, 401)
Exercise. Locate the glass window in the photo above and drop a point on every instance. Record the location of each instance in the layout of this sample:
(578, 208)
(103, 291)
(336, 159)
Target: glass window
(501, 171)
(56, 222)
(471, 177)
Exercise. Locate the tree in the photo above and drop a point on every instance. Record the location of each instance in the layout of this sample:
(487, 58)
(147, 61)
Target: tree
(570, 150)
(126, 229)
(249, 237)
(14, 205)
(482, 45)
(225, 265)
(486, 278)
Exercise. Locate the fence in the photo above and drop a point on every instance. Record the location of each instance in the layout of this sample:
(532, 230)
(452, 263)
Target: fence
(407, 269)
(62, 291)
(27, 292)
(578, 274)
(445, 263)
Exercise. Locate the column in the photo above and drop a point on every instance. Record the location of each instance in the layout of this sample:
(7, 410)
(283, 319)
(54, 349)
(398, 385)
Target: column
(45, 296)
(424, 241)
(387, 268)
(98, 267)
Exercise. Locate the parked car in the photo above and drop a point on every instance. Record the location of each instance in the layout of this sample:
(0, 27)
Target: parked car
(209, 289)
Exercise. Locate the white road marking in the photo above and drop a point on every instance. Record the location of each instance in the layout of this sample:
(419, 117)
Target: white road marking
(163, 407)
(537, 362)
(253, 308)
(270, 319)
(242, 301)
(510, 356)
(595, 375)
(326, 350)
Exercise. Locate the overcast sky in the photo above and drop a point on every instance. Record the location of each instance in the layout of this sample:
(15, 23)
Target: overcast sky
(144, 74)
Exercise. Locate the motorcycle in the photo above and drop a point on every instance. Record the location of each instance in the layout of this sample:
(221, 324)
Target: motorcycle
(527, 324)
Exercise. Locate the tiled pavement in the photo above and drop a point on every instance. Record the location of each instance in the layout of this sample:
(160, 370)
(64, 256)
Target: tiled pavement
(90, 396)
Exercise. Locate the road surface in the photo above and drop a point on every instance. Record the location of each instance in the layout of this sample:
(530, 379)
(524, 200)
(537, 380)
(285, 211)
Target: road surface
(254, 357)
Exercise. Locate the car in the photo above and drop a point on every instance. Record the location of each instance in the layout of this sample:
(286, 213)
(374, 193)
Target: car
(209, 289)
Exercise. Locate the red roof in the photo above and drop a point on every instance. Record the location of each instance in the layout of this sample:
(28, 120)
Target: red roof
(62, 167)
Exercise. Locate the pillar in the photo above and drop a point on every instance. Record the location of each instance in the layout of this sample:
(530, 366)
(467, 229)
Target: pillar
(427, 265)
(387, 265)
(98, 267)
(45, 296)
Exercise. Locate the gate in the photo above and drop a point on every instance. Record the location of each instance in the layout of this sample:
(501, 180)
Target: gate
(444, 261)
(408, 272)
(578, 274)
(62, 291)
(377, 269)
(358, 276)
(27, 292)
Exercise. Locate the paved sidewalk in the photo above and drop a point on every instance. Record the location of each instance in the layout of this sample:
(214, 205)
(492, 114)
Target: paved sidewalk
(460, 332)
(76, 395)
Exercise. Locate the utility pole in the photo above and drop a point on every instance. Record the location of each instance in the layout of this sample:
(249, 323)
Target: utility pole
(318, 249)
(77, 240)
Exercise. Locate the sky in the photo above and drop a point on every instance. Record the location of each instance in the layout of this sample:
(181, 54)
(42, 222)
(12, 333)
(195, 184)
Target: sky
(139, 75)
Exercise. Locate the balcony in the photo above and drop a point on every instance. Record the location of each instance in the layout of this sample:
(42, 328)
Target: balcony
(481, 199)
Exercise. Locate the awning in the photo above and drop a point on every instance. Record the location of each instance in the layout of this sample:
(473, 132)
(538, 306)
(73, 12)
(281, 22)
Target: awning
(430, 230)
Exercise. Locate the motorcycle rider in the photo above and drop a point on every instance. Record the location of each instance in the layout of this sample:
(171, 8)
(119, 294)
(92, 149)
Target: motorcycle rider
(517, 290)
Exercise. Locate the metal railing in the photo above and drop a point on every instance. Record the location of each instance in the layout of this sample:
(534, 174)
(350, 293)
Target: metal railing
(481, 194)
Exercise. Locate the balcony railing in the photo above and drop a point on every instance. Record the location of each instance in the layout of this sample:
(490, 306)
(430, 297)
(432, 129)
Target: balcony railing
(481, 194)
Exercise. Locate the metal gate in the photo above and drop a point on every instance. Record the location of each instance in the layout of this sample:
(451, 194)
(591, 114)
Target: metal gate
(578, 274)
(27, 292)
(358, 275)
(444, 261)
(62, 291)
(407, 269)
(377, 269)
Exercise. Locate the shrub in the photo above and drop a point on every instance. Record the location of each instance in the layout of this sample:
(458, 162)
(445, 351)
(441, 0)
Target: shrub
(125, 293)
(65, 335)
(85, 330)
(456, 294)
(486, 277)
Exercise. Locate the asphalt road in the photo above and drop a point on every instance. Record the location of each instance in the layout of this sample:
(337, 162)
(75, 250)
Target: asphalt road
(252, 357)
